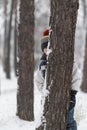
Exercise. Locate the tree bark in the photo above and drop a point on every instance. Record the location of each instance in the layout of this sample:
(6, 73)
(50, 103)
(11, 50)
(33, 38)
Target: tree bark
(60, 63)
(15, 39)
(8, 41)
(84, 81)
(25, 96)
(5, 35)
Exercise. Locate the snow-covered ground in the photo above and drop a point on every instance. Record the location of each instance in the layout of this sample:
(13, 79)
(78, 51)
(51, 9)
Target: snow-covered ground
(81, 111)
(8, 118)
(8, 103)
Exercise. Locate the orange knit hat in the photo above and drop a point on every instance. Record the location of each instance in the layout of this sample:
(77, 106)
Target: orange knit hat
(45, 39)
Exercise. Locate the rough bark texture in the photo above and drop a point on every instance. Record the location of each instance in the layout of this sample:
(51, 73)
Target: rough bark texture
(60, 62)
(84, 81)
(25, 97)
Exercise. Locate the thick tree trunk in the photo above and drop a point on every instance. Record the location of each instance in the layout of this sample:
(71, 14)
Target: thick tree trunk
(25, 97)
(84, 82)
(60, 63)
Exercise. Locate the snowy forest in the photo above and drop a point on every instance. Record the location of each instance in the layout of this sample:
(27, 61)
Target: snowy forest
(43, 64)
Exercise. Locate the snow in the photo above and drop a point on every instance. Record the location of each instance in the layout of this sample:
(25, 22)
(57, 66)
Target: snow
(81, 111)
(8, 103)
(8, 118)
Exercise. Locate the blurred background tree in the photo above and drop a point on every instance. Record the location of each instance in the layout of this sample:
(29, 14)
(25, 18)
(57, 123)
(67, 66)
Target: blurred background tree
(84, 79)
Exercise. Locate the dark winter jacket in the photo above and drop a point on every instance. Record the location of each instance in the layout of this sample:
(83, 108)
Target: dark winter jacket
(39, 76)
(72, 99)
(43, 65)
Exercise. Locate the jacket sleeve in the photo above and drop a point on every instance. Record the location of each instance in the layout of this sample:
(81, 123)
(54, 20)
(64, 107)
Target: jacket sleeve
(76, 78)
(42, 67)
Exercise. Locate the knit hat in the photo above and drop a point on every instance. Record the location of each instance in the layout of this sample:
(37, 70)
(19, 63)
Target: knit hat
(45, 39)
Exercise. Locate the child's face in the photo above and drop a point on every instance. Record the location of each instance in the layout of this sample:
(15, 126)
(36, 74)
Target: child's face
(45, 51)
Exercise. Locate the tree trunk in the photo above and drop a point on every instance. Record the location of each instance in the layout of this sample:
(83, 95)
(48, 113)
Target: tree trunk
(15, 39)
(5, 35)
(84, 81)
(8, 40)
(25, 97)
(60, 63)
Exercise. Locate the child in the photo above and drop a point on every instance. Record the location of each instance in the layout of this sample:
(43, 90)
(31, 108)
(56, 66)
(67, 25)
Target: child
(40, 75)
(75, 85)
(76, 77)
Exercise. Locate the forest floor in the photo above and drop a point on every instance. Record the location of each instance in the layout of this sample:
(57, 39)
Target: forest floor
(8, 107)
